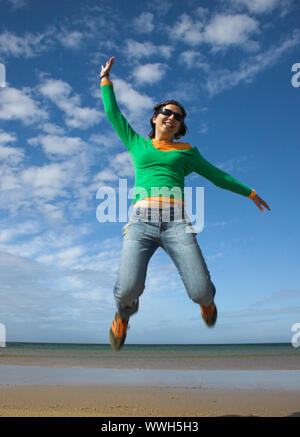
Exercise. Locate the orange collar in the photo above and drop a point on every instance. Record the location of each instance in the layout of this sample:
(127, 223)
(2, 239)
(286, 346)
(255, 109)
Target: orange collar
(167, 146)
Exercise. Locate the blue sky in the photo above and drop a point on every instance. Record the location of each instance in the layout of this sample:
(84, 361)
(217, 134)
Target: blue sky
(230, 64)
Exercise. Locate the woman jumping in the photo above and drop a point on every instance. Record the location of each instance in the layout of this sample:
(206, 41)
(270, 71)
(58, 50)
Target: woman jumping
(159, 218)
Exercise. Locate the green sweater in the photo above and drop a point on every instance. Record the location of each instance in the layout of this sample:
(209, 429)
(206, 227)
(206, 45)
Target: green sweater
(161, 173)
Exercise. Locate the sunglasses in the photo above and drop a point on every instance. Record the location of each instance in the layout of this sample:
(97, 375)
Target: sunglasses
(168, 113)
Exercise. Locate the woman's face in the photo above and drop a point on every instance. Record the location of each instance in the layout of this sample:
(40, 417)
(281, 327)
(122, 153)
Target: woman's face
(166, 126)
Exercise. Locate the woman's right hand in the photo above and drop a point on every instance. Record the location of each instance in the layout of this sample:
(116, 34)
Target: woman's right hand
(106, 70)
(259, 202)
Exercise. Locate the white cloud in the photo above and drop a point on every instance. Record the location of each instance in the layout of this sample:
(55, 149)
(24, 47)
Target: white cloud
(59, 92)
(236, 164)
(32, 189)
(8, 182)
(223, 79)
(48, 189)
(12, 154)
(224, 30)
(69, 257)
(55, 190)
(194, 59)
(52, 128)
(214, 257)
(58, 145)
(108, 139)
(160, 7)
(20, 229)
(202, 13)
(38, 297)
(122, 164)
(138, 50)
(144, 23)
(6, 137)
(278, 296)
(188, 30)
(15, 4)
(18, 105)
(78, 117)
(55, 89)
(133, 100)
(258, 6)
(107, 175)
(48, 181)
(71, 39)
(27, 45)
(149, 73)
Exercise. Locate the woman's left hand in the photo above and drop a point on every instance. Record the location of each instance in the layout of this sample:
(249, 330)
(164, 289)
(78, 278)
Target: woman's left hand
(259, 202)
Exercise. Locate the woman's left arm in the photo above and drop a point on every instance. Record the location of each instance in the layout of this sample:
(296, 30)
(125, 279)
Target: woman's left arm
(225, 180)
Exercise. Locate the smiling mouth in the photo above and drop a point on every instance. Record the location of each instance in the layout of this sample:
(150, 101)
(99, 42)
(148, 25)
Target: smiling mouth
(169, 124)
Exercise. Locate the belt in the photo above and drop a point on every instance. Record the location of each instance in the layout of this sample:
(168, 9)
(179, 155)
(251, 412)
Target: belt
(170, 214)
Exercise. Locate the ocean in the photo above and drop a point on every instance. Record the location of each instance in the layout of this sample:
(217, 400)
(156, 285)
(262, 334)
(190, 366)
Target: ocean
(274, 365)
(206, 350)
(131, 356)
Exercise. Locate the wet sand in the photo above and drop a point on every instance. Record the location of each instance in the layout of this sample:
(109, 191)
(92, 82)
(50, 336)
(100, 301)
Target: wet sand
(38, 384)
(87, 401)
(84, 392)
(128, 359)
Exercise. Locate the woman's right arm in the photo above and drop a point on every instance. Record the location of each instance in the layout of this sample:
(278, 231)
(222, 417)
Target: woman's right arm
(119, 122)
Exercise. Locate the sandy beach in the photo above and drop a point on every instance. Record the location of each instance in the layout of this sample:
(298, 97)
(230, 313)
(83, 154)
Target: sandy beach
(148, 384)
(87, 401)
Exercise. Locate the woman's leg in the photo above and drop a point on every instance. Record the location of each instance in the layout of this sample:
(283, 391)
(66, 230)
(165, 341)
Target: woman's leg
(138, 247)
(182, 246)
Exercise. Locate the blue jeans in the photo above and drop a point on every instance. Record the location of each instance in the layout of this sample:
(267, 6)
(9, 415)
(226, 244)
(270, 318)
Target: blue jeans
(170, 229)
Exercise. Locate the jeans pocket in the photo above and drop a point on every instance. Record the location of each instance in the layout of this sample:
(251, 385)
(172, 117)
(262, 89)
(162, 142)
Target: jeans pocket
(185, 233)
(134, 230)
(124, 229)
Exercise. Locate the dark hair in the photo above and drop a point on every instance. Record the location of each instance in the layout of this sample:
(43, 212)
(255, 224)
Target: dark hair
(182, 130)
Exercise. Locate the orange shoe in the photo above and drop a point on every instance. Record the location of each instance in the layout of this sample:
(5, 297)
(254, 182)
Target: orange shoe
(209, 314)
(117, 333)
